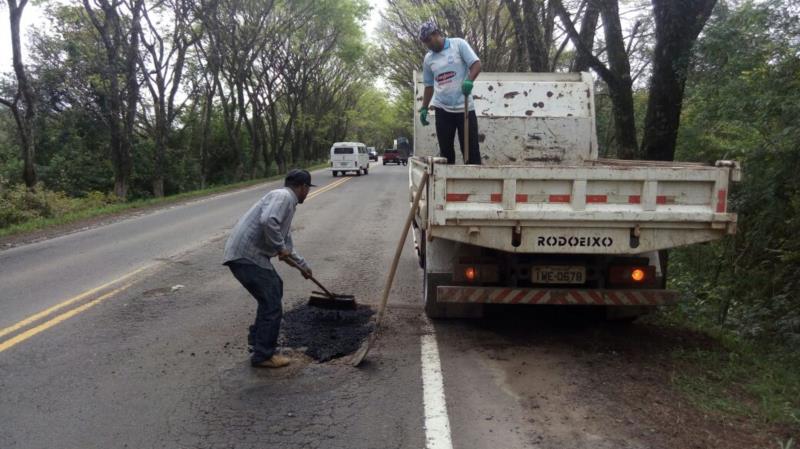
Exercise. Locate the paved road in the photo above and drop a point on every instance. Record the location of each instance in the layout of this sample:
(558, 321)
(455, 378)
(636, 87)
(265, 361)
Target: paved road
(162, 363)
(39, 275)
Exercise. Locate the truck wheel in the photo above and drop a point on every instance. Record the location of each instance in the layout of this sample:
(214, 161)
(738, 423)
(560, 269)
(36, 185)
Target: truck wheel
(366, 171)
(384, 162)
(358, 172)
(435, 309)
(335, 174)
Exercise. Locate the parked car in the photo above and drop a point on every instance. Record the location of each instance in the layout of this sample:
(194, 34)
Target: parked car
(349, 157)
(373, 154)
(393, 157)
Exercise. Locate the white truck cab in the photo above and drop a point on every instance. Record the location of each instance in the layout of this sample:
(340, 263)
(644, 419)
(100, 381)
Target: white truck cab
(349, 157)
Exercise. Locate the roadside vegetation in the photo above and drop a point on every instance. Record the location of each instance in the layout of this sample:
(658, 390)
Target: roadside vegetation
(23, 210)
(743, 102)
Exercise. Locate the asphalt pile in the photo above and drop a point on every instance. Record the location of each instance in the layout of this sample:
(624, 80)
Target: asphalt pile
(325, 334)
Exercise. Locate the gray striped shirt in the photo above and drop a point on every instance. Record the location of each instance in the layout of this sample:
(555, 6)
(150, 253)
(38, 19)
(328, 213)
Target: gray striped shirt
(264, 231)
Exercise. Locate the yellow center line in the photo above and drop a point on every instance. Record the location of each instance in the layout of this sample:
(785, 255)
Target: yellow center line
(74, 299)
(328, 187)
(64, 316)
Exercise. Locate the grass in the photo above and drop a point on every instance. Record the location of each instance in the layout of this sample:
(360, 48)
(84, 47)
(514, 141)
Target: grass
(737, 377)
(37, 224)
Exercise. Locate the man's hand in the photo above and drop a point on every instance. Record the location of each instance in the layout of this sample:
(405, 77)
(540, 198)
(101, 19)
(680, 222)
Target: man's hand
(306, 273)
(284, 254)
(466, 86)
(423, 116)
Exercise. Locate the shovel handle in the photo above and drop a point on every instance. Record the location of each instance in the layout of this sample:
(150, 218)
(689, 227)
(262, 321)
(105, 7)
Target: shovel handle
(292, 263)
(465, 150)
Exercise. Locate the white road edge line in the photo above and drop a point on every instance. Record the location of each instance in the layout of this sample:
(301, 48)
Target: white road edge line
(437, 422)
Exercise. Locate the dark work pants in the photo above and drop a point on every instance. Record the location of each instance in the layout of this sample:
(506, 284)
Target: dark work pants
(447, 123)
(267, 289)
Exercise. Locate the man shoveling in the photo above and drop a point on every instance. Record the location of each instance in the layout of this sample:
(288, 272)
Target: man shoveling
(449, 70)
(262, 233)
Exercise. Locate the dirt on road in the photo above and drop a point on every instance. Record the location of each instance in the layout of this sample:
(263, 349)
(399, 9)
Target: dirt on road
(584, 383)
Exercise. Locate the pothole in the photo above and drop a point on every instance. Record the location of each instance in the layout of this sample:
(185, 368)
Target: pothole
(325, 334)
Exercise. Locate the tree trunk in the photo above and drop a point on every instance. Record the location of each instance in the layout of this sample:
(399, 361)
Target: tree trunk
(617, 76)
(519, 34)
(158, 169)
(620, 88)
(132, 98)
(24, 119)
(537, 50)
(588, 27)
(206, 122)
(678, 23)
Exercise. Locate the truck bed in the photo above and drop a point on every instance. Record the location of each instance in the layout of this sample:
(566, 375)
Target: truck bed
(603, 206)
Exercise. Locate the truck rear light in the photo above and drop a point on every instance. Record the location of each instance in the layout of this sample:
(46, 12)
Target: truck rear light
(631, 275)
(475, 273)
(470, 273)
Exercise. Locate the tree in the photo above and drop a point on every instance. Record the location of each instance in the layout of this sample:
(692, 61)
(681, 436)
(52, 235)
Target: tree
(23, 103)
(120, 38)
(616, 75)
(163, 75)
(533, 28)
(678, 23)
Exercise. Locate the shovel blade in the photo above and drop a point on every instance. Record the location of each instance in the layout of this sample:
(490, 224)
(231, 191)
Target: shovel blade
(335, 303)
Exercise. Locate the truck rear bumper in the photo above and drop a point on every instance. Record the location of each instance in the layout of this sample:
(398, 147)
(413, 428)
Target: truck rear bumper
(600, 297)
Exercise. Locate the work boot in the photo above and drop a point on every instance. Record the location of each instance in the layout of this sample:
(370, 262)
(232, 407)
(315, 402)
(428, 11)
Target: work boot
(276, 361)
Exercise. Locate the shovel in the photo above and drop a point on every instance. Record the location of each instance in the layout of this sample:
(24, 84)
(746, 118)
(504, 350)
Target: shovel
(325, 299)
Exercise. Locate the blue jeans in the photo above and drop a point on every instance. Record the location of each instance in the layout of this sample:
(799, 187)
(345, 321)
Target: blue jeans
(267, 289)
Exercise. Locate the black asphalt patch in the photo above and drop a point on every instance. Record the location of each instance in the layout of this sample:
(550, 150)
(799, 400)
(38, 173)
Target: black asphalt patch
(325, 334)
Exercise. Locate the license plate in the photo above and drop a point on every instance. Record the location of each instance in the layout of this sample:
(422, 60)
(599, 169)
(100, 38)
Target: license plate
(344, 164)
(558, 274)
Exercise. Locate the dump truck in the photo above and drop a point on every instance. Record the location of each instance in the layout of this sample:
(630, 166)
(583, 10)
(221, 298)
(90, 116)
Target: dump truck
(544, 219)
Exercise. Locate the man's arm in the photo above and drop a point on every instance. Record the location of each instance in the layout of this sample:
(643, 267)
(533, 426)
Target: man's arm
(427, 80)
(272, 215)
(299, 260)
(474, 70)
(427, 96)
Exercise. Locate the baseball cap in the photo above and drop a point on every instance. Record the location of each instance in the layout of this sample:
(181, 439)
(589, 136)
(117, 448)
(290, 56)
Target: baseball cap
(299, 176)
(426, 30)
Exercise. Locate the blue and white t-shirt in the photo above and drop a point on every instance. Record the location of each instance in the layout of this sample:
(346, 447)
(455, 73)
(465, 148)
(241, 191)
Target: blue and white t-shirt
(445, 71)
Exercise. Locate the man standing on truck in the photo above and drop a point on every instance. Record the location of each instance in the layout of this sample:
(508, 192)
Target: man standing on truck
(449, 70)
(261, 234)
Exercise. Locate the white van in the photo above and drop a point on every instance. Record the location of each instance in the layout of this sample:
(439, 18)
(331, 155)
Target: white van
(349, 157)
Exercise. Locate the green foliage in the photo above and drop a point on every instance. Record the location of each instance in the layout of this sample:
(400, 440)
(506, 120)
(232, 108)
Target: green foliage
(19, 205)
(755, 381)
(377, 120)
(743, 103)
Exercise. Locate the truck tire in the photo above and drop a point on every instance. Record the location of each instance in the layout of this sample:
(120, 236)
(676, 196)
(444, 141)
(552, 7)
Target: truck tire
(384, 162)
(437, 310)
(335, 174)
(366, 171)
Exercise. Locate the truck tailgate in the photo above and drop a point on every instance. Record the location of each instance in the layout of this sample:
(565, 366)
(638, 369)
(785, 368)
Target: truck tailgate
(601, 207)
